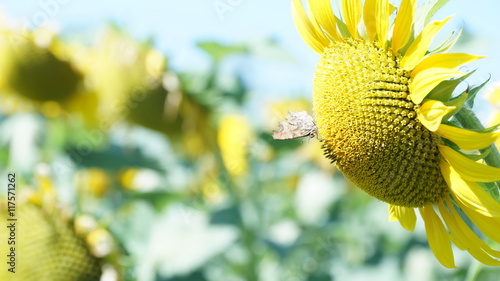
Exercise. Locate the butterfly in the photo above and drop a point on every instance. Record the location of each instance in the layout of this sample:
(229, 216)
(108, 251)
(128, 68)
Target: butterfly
(296, 125)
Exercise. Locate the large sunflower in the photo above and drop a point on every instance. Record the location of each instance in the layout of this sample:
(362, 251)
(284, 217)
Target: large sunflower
(386, 116)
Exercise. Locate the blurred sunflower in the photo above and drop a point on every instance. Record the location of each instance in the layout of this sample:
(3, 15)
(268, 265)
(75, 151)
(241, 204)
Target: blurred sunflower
(120, 70)
(47, 246)
(234, 137)
(37, 74)
(382, 103)
(133, 84)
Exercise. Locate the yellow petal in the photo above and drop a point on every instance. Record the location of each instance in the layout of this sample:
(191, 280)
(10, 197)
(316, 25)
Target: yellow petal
(466, 139)
(468, 193)
(458, 227)
(313, 18)
(391, 8)
(316, 39)
(468, 169)
(438, 237)
(465, 239)
(418, 48)
(352, 9)
(426, 80)
(450, 61)
(406, 216)
(433, 70)
(382, 9)
(402, 25)
(325, 17)
(431, 113)
(370, 18)
(488, 225)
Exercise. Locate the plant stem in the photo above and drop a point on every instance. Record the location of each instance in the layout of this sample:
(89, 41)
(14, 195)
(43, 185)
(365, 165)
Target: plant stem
(473, 271)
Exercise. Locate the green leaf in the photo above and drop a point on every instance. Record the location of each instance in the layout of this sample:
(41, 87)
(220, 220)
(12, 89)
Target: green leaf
(219, 51)
(447, 44)
(437, 5)
(457, 102)
(477, 157)
(491, 129)
(445, 89)
(342, 27)
(473, 92)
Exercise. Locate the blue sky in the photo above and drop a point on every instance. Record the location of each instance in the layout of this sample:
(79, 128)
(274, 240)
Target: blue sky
(177, 25)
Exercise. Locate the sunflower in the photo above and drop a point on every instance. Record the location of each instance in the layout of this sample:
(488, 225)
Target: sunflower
(47, 246)
(39, 75)
(36, 73)
(123, 73)
(133, 84)
(386, 116)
